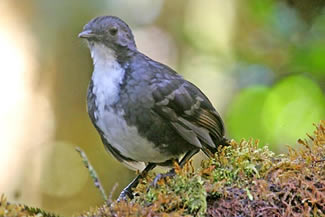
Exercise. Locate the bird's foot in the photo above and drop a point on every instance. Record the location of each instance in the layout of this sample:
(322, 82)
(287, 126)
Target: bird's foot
(161, 176)
(125, 194)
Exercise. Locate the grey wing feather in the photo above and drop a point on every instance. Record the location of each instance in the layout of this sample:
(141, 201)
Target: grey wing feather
(189, 111)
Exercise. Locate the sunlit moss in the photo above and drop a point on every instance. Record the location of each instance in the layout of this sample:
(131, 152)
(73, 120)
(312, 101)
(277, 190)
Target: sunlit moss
(185, 192)
(241, 180)
(239, 164)
(16, 210)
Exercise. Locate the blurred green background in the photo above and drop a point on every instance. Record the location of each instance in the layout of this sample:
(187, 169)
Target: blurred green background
(261, 62)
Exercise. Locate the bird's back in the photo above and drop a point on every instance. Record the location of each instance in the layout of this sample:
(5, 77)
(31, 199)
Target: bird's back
(167, 109)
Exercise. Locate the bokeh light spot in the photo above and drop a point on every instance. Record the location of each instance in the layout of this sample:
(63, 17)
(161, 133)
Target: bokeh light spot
(140, 12)
(261, 10)
(244, 116)
(209, 26)
(63, 173)
(290, 108)
(310, 58)
(157, 44)
(209, 75)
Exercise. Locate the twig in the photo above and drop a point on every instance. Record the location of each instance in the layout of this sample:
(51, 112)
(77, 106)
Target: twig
(92, 173)
(110, 200)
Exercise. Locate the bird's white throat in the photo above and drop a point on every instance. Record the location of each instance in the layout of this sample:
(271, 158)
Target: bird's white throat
(107, 76)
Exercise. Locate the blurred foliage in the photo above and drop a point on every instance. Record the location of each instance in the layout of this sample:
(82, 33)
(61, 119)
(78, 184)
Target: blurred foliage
(308, 9)
(261, 63)
(246, 110)
(291, 51)
(289, 106)
(276, 114)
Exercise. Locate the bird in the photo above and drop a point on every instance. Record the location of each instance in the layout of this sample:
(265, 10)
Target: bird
(146, 114)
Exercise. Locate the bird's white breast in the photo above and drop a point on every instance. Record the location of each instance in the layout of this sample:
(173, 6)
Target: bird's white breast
(107, 77)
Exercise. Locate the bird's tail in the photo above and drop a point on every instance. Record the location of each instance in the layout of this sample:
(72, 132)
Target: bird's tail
(210, 151)
(224, 142)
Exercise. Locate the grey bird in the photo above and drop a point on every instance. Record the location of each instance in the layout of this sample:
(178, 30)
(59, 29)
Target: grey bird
(145, 113)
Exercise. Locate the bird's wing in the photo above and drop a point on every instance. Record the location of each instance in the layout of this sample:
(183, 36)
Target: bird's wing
(189, 111)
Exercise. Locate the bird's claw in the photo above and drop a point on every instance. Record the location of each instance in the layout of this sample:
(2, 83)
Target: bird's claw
(124, 195)
(161, 176)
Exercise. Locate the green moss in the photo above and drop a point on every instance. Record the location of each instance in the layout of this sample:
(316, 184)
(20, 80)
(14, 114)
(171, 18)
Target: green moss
(236, 166)
(241, 180)
(184, 192)
(17, 210)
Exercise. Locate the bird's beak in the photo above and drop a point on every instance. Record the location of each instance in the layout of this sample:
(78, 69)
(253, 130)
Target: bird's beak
(86, 34)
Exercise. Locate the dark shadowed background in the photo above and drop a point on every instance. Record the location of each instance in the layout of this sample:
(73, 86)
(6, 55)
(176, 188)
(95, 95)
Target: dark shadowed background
(261, 63)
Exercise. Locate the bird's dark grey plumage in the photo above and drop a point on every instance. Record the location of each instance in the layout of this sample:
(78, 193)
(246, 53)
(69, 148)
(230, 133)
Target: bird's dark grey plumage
(143, 110)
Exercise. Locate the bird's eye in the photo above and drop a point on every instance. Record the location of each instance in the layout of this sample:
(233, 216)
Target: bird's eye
(113, 30)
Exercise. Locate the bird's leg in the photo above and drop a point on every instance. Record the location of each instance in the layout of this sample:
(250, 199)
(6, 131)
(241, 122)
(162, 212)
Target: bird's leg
(187, 156)
(127, 191)
(171, 172)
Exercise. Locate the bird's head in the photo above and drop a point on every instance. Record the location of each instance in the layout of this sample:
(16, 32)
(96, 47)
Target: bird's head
(109, 31)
